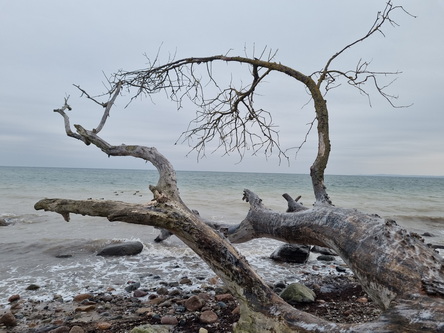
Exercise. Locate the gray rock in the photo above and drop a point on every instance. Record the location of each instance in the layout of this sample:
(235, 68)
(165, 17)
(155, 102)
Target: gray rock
(132, 287)
(298, 293)
(121, 249)
(151, 329)
(325, 258)
(323, 250)
(3, 223)
(291, 253)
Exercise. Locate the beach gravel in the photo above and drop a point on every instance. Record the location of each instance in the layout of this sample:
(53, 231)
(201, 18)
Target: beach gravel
(209, 308)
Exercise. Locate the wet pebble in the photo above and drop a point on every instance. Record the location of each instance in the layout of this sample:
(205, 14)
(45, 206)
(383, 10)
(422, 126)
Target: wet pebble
(208, 317)
(194, 303)
(139, 293)
(81, 297)
(169, 320)
(8, 319)
(32, 287)
(325, 258)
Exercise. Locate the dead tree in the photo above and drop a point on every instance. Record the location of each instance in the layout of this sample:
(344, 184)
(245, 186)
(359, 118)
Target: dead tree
(399, 272)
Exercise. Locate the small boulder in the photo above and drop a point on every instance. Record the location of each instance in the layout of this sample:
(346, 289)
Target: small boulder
(169, 320)
(194, 303)
(139, 293)
(291, 253)
(121, 249)
(3, 223)
(32, 286)
(103, 325)
(298, 293)
(208, 317)
(151, 329)
(8, 319)
(325, 257)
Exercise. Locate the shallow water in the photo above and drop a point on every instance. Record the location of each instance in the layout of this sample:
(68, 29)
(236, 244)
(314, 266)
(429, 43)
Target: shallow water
(30, 245)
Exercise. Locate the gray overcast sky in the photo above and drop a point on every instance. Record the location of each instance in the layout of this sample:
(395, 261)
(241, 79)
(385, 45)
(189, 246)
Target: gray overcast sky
(46, 46)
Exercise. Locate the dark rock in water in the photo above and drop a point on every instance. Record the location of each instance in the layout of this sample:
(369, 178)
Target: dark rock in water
(121, 249)
(325, 258)
(340, 269)
(32, 287)
(291, 253)
(132, 286)
(323, 250)
(61, 256)
(3, 223)
(428, 234)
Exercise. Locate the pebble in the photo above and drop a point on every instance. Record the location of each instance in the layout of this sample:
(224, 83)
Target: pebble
(32, 287)
(203, 330)
(103, 325)
(156, 300)
(132, 286)
(362, 300)
(85, 308)
(325, 258)
(13, 298)
(139, 293)
(194, 303)
(169, 320)
(162, 291)
(8, 319)
(208, 317)
(143, 310)
(185, 281)
(81, 297)
(76, 329)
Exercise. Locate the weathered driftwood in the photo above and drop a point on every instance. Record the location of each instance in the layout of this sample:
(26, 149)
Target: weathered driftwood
(396, 268)
(399, 272)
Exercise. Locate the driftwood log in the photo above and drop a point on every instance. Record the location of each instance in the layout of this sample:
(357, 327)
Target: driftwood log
(401, 274)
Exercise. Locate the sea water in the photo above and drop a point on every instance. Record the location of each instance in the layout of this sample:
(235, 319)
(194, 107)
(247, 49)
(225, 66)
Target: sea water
(60, 257)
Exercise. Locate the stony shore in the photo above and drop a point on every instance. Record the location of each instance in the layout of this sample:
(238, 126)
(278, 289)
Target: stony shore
(180, 306)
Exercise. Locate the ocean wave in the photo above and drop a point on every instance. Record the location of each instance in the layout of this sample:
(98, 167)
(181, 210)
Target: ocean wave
(438, 220)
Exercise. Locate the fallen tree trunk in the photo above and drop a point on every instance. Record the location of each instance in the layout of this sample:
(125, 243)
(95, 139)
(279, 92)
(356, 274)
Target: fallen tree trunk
(400, 272)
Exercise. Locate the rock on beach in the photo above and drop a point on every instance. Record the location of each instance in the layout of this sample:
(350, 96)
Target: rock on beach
(291, 253)
(122, 249)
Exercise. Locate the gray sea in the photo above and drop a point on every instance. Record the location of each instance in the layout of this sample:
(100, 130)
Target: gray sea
(32, 243)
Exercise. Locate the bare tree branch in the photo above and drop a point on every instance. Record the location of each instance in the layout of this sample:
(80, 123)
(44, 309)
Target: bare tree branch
(361, 74)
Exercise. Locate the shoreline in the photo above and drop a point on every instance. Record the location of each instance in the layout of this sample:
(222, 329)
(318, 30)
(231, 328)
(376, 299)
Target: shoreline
(182, 306)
